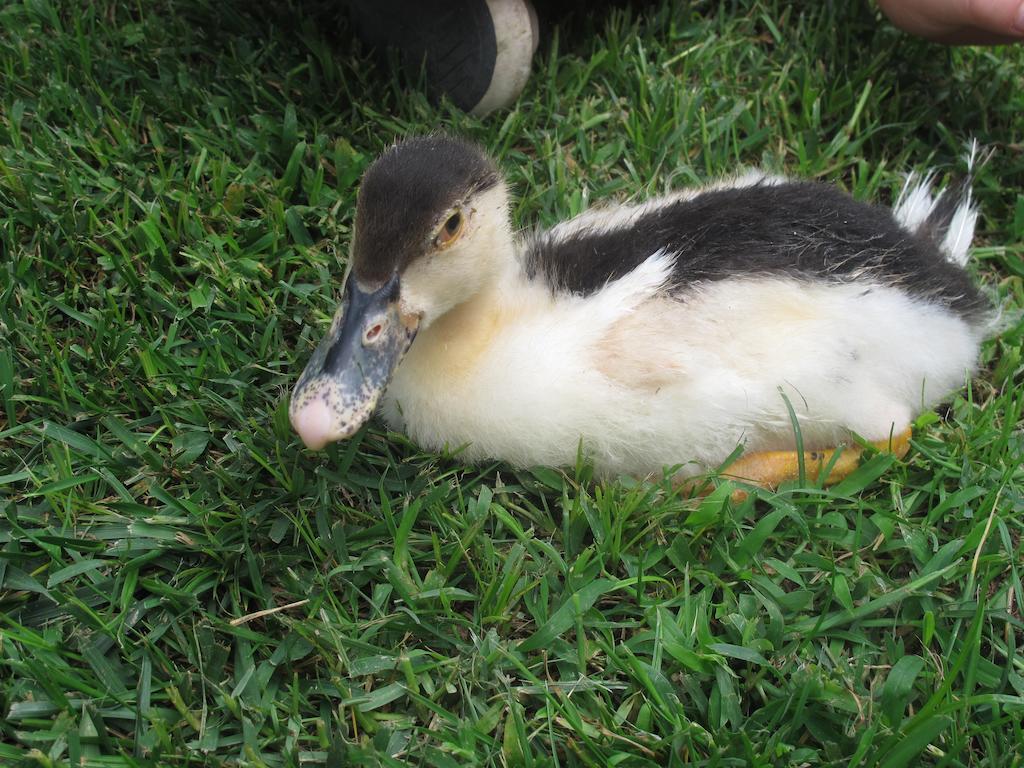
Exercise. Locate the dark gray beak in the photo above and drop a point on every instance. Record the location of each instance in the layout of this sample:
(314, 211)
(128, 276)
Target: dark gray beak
(350, 369)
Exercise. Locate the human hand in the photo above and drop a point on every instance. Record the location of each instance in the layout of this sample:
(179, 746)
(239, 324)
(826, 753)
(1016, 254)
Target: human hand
(959, 22)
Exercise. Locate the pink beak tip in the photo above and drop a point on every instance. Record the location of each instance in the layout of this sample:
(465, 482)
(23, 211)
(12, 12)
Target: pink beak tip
(314, 424)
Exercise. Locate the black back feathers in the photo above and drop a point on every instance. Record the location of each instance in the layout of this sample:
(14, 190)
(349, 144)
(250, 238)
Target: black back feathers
(799, 229)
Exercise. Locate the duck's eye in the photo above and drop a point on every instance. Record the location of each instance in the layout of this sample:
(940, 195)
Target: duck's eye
(450, 230)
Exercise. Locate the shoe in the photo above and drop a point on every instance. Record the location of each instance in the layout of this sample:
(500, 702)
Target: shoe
(475, 52)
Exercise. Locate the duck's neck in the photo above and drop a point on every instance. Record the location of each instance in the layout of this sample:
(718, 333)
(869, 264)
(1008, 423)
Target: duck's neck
(472, 322)
(452, 345)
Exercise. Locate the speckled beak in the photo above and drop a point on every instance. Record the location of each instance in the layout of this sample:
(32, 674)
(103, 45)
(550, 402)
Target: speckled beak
(350, 369)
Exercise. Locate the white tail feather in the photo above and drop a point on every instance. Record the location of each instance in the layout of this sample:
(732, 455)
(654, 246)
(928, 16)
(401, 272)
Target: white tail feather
(916, 204)
(957, 242)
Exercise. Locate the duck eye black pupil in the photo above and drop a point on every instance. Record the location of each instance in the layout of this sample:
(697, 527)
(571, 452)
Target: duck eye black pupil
(452, 224)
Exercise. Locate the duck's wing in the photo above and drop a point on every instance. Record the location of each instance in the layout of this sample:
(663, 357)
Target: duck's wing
(771, 227)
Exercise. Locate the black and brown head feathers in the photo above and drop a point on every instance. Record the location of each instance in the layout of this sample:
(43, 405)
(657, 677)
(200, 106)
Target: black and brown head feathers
(404, 196)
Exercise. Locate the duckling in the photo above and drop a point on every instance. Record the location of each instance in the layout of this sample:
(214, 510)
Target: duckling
(651, 335)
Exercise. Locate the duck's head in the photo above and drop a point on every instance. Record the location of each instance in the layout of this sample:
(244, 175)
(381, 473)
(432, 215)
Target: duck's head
(431, 231)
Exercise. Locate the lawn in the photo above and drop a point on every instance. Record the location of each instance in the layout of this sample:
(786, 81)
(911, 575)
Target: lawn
(181, 584)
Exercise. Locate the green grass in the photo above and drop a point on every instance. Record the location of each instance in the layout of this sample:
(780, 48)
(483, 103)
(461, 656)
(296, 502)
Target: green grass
(177, 183)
